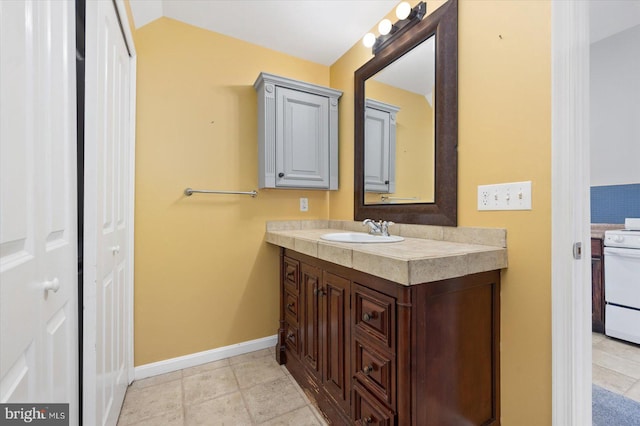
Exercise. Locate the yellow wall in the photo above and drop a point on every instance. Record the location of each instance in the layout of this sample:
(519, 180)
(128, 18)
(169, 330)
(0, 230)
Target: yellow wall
(204, 276)
(504, 136)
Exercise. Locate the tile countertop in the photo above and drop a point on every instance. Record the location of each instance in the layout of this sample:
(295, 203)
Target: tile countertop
(597, 229)
(428, 253)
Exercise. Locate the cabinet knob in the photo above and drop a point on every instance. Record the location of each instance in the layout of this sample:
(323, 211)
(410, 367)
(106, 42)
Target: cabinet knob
(367, 369)
(318, 292)
(290, 335)
(366, 317)
(280, 175)
(289, 305)
(367, 420)
(386, 182)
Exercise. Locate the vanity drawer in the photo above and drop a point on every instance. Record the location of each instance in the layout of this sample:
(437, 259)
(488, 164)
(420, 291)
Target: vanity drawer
(292, 338)
(376, 371)
(374, 314)
(291, 307)
(291, 274)
(369, 411)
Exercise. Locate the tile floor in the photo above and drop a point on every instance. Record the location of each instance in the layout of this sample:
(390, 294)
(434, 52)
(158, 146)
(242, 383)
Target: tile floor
(616, 365)
(249, 389)
(252, 389)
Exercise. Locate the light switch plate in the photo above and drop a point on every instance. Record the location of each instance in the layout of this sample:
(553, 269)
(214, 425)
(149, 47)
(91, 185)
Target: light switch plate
(304, 204)
(505, 196)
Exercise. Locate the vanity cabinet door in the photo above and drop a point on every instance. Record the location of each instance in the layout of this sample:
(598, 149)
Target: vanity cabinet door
(310, 323)
(336, 326)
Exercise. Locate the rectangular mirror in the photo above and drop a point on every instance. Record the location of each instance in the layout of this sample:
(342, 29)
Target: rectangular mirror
(406, 126)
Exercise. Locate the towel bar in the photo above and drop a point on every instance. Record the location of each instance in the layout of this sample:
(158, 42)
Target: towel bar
(188, 192)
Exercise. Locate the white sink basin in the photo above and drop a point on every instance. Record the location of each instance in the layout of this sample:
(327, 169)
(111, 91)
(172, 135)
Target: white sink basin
(360, 237)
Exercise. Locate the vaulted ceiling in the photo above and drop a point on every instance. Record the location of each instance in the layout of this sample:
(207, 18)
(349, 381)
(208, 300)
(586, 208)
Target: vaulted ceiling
(323, 30)
(317, 30)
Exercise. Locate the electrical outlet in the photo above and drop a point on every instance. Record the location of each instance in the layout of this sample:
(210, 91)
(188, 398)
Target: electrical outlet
(505, 196)
(304, 204)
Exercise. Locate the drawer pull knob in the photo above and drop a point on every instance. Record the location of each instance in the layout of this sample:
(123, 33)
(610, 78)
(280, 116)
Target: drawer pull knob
(367, 420)
(366, 317)
(367, 369)
(318, 292)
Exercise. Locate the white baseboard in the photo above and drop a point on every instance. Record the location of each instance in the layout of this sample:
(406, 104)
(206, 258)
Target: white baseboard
(192, 360)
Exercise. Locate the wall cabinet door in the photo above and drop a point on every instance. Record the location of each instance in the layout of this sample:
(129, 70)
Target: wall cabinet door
(380, 147)
(302, 139)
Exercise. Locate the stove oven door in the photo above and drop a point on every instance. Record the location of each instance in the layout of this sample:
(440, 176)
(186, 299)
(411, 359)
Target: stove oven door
(622, 293)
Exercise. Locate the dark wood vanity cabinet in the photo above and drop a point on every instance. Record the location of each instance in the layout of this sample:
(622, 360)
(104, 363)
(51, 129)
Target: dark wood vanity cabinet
(597, 286)
(374, 352)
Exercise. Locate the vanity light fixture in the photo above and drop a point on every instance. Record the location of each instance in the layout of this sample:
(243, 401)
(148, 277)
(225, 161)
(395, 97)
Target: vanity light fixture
(407, 16)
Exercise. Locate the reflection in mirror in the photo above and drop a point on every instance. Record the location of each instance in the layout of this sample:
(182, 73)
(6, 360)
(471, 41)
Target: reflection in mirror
(399, 129)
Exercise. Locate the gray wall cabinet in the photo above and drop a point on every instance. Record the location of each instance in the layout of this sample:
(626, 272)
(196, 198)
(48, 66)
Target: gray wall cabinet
(297, 134)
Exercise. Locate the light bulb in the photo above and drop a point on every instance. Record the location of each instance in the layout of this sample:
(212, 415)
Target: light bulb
(384, 27)
(369, 40)
(403, 10)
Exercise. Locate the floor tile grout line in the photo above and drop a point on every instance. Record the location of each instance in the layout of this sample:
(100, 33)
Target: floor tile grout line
(184, 396)
(244, 401)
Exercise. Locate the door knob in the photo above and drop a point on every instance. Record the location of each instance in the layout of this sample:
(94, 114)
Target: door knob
(53, 285)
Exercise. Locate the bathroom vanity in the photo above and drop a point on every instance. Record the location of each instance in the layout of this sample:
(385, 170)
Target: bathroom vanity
(402, 333)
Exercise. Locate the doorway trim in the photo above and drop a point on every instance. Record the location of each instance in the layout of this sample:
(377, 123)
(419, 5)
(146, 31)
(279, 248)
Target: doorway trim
(570, 216)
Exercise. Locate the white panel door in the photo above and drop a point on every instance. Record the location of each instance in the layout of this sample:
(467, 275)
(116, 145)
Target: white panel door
(38, 247)
(107, 282)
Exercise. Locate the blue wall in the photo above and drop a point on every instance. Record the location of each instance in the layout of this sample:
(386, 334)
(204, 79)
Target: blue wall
(614, 203)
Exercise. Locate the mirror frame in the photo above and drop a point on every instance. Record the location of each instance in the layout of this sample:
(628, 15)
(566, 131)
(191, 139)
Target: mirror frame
(443, 22)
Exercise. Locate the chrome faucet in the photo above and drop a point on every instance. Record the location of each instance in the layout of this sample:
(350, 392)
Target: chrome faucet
(378, 228)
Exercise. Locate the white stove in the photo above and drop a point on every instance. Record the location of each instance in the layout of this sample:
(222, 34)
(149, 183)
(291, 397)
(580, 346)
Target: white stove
(622, 282)
(625, 238)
